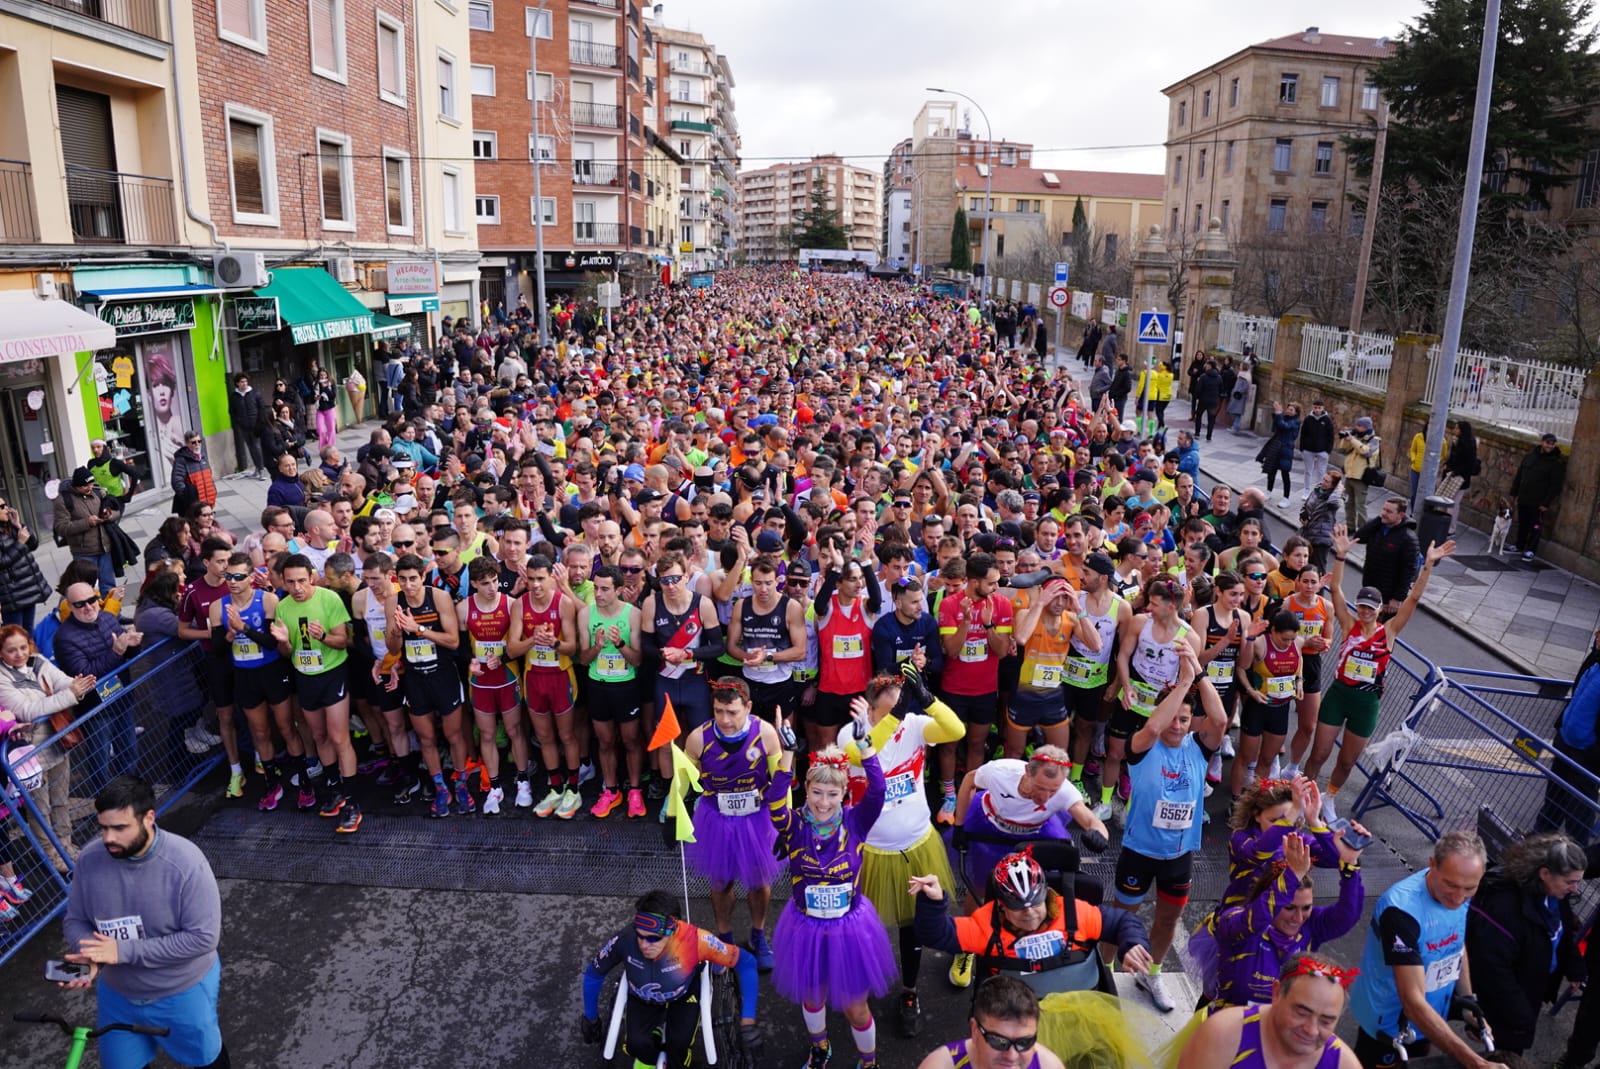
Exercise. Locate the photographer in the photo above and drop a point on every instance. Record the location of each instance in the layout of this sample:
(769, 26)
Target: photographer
(86, 520)
(1361, 446)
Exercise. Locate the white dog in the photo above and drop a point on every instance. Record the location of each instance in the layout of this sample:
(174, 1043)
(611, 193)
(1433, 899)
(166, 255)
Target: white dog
(1502, 527)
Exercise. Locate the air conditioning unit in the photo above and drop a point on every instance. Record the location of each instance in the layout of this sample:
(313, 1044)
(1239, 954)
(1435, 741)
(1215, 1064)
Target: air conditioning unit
(240, 270)
(378, 279)
(342, 268)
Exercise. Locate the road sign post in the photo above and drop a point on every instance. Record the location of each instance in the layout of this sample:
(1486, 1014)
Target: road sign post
(1060, 297)
(1155, 331)
(1062, 269)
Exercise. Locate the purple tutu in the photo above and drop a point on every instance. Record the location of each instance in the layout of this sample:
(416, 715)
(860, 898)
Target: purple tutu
(982, 857)
(728, 850)
(1205, 956)
(841, 960)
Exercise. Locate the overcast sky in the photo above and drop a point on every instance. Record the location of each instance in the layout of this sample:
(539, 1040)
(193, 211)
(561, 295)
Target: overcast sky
(848, 76)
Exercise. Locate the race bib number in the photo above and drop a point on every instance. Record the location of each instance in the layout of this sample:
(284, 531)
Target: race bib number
(1443, 972)
(1144, 697)
(1279, 688)
(543, 657)
(1173, 816)
(309, 661)
(420, 651)
(485, 649)
(1360, 671)
(1045, 674)
(903, 655)
(1085, 673)
(245, 649)
(974, 652)
(828, 900)
(848, 647)
(1220, 673)
(899, 786)
(123, 929)
(1310, 628)
(1039, 946)
(611, 665)
(737, 803)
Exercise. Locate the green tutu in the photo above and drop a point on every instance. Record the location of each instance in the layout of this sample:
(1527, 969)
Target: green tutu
(885, 873)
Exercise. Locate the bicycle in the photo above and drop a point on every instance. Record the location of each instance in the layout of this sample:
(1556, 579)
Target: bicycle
(80, 1035)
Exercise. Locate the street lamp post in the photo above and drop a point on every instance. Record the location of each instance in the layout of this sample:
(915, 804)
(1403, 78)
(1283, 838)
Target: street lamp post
(538, 167)
(988, 173)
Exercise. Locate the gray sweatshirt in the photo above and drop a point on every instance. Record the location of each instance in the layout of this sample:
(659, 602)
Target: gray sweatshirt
(164, 907)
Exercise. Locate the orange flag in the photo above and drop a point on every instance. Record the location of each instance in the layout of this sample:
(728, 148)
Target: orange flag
(666, 728)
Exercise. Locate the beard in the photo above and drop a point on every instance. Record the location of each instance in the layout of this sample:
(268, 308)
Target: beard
(133, 849)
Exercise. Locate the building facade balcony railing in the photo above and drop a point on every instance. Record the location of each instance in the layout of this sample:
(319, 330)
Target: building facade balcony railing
(612, 4)
(688, 66)
(587, 233)
(111, 208)
(141, 16)
(585, 113)
(589, 173)
(593, 54)
(18, 222)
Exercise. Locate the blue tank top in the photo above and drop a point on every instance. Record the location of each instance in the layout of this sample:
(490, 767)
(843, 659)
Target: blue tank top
(1169, 785)
(1374, 998)
(247, 652)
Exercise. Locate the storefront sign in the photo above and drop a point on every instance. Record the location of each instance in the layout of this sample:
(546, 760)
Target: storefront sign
(49, 345)
(255, 314)
(590, 261)
(328, 329)
(410, 306)
(413, 278)
(148, 317)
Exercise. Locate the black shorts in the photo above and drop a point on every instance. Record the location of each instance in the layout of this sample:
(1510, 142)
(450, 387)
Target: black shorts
(1010, 674)
(613, 703)
(219, 679)
(1136, 873)
(438, 691)
(1125, 723)
(1256, 719)
(831, 710)
(266, 684)
(1029, 709)
(323, 689)
(975, 710)
(1087, 703)
(1311, 673)
(767, 697)
(375, 694)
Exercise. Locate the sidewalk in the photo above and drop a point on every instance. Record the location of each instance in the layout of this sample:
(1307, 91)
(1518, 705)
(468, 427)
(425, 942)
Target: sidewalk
(1534, 615)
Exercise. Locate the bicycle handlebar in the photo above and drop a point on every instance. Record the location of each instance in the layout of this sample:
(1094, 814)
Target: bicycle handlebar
(36, 1017)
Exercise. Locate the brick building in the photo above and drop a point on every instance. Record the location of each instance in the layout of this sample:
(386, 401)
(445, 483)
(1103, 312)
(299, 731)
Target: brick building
(774, 198)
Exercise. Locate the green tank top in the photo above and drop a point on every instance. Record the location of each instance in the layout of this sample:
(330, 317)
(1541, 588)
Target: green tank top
(609, 666)
(472, 552)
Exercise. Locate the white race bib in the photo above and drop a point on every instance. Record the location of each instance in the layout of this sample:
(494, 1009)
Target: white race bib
(543, 657)
(245, 649)
(308, 661)
(1039, 945)
(1085, 673)
(123, 929)
(1279, 688)
(484, 649)
(421, 651)
(1220, 673)
(1143, 697)
(974, 652)
(1045, 674)
(1361, 671)
(738, 803)
(901, 785)
(1172, 816)
(825, 901)
(611, 665)
(1443, 972)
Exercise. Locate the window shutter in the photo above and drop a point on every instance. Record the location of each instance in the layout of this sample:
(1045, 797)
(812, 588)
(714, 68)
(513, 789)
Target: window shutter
(394, 191)
(388, 60)
(323, 54)
(234, 16)
(332, 182)
(244, 138)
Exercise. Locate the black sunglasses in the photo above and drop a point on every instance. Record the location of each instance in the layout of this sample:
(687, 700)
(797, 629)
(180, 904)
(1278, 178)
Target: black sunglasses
(405, 545)
(627, 569)
(236, 577)
(1000, 1044)
(85, 603)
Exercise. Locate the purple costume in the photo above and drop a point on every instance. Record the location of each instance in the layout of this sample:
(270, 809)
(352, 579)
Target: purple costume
(1251, 1057)
(983, 856)
(1252, 950)
(830, 946)
(732, 835)
(961, 1057)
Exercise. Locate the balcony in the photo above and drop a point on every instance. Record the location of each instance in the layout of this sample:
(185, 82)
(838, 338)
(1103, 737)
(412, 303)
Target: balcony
(691, 127)
(17, 220)
(689, 66)
(612, 4)
(108, 208)
(679, 96)
(593, 54)
(589, 173)
(586, 233)
(584, 113)
(141, 16)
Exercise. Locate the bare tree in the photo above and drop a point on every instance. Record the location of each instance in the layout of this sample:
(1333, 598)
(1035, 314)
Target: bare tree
(1100, 261)
(1282, 273)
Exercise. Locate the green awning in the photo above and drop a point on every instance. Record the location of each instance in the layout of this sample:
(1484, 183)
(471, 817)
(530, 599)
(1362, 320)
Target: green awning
(314, 306)
(385, 326)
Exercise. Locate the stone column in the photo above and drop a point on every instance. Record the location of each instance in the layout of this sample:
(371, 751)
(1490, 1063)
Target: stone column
(1408, 381)
(1209, 291)
(1576, 530)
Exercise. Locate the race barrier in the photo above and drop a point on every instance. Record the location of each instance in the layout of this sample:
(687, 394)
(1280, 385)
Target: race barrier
(134, 723)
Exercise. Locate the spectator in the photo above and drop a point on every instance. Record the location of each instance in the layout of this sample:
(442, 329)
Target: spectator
(1206, 397)
(1322, 512)
(292, 399)
(1161, 391)
(1419, 452)
(1537, 484)
(1460, 465)
(1121, 377)
(116, 477)
(333, 463)
(85, 519)
(171, 542)
(92, 643)
(22, 584)
(1361, 447)
(1089, 348)
(326, 396)
(249, 413)
(1277, 456)
(76, 571)
(1316, 442)
(192, 480)
(1585, 1037)
(286, 491)
(1522, 935)
(286, 433)
(1569, 796)
(1239, 397)
(1099, 383)
(1392, 553)
(1110, 346)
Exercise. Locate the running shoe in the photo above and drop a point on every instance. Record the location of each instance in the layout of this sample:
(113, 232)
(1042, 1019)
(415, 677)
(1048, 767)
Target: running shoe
(1291, 771)
(1104, 812)
(1214, 769)
(11, 888)
(464, 801)
(1283, 502)
(609, 799)
(358, 727)
(307, 799)
(270, 800)
(406, 793)
(1330, 812)
(261, 769)
(9, 913)
(1156, 988)
(313, 768)
(570, 801)
(961, 970)
(947, 810)
(524, 794)
(1091, 767)
(350, 821)
(548, 803)
(1277, 769)
(441, 805)
(636, 806)
(1124, 786)
(1097, 748)
(335, 805)
(655, 789)
(585, 772)
(821, 1054)
(373, 767)
(197, 740)
(762, 950)
(391, 774)
(492, 800)
(1528, 556)
(1227, 746)
(235, 785)
(910, 1014)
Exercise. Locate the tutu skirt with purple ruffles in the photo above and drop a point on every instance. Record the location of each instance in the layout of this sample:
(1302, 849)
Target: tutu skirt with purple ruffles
(838, 961)
(728, 850)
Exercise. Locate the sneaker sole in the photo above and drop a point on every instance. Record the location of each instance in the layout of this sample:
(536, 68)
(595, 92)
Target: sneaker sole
(349, 829)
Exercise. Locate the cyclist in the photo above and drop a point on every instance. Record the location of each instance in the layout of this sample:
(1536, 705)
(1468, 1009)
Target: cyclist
(425, 624)
(661, 958)
(1293, 1031)
(489, 619)
(1004, 1032)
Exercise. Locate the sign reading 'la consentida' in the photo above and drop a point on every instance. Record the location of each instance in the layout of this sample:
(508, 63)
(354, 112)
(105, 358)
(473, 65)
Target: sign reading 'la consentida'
(328, 329)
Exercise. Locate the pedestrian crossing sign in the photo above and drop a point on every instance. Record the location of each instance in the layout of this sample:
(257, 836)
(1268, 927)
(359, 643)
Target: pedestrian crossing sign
(1155, 328)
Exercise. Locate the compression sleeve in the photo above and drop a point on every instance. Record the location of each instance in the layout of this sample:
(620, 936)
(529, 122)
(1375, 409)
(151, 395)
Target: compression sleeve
(594, 974)
(749, 984)
(713, 644)
(592, 983)
(946, 727)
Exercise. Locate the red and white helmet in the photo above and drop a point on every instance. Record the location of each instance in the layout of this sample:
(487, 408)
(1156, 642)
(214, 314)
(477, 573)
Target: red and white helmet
(1019, 881)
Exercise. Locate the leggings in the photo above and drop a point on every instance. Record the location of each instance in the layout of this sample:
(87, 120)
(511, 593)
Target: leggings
(1273, 474)
(910, 957)
(677, 1022)
(326, 426)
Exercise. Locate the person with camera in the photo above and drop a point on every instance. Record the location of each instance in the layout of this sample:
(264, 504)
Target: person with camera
(85, 521)
(1361, 447)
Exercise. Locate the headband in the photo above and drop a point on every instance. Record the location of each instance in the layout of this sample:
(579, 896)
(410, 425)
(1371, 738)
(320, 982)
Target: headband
(830, 761)
(1042, 759)
(1309, 966)
(657, 924)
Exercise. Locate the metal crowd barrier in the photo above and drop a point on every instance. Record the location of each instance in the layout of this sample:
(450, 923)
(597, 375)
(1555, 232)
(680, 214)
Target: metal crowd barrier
(137, 726)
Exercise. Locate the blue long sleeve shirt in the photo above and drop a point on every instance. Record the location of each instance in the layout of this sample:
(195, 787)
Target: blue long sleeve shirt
(1579, 727)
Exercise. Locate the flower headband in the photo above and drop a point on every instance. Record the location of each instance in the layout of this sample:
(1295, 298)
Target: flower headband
(1305, 965)
(834, 760)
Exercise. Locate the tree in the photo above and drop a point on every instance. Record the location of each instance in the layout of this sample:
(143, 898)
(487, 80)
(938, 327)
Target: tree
(1080, 218)
(817, 228)
(1278, 273)
(960, 243)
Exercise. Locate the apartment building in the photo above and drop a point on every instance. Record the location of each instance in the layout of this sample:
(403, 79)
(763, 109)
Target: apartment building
(774, 199)
(695, 110)
(1255, 138)
(941, 141)
(894, 246)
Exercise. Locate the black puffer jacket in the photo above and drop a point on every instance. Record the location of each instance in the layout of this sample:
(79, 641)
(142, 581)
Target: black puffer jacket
(1510, 939)
(22, 584)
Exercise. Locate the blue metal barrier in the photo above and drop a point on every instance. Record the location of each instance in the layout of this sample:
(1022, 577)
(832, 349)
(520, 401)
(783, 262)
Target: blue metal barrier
(139, 722)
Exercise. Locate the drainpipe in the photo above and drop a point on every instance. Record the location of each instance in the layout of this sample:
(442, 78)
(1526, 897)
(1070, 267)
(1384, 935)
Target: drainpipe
(183, 144)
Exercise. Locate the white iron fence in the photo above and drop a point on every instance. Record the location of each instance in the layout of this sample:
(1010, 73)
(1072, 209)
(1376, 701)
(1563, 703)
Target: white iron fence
(1533, 396)
(1242, 334)
(1359, 359)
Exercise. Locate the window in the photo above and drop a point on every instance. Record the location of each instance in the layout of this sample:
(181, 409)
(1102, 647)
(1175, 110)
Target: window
(397, 191)
(1588, 193)
(1233, 93)
(1227, 158)
(1358, 220)
(327, 38)
(545, 150)
(480, 14)
(540, 19)
(1110, 246)
(1205, 104)
(252, 167)
(482, 80)
(485, 145)
(547, 217)
(1288, 89)
(452, 199)
(1199, 217)
(486, 209)
(1183, 112)
(546, 84)
(1319, 216)
(447, 85)
(1173, 228)
(1200, 165)
(1330, 91)
(975, 204)
(1277, 215)
(1177, 169)
(244, 22)
(338, 193)
(391, 60)
(1227, 211)
(1369, 97)
(1008, 155)
(1324, 158)
(1281, 148)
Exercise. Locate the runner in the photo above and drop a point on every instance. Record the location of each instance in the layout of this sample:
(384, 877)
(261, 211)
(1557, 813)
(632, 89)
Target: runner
(611, 630)
(194, 613)
(1048, 632)
(490, 618)
(1271, 684)
(975, 627)
(1004, 1032)
(767, 635)
(845, 616)
(680, 628)
(1225, 653)
(547, 636)
(1089, 671)
(425, 624)
(1294, 1031)
(1316, 617)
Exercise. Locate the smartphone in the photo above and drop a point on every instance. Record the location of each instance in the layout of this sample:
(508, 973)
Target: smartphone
(1352, 838)
(64, 972)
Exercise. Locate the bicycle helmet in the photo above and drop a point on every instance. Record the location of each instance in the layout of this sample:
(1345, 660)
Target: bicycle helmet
(1019, 881)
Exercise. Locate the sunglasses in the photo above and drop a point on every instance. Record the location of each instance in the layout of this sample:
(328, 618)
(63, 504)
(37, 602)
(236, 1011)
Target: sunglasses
(670, 580)
(1000, 1044)
(85, 603)
(649, 937)
(630, 569)
(1258, 576)
(236, 577)
(902, 504)
(405, 545)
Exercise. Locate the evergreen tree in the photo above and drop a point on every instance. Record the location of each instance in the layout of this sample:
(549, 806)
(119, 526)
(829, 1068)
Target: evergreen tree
(1080, 218)
(818, 227)
(960, 243)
